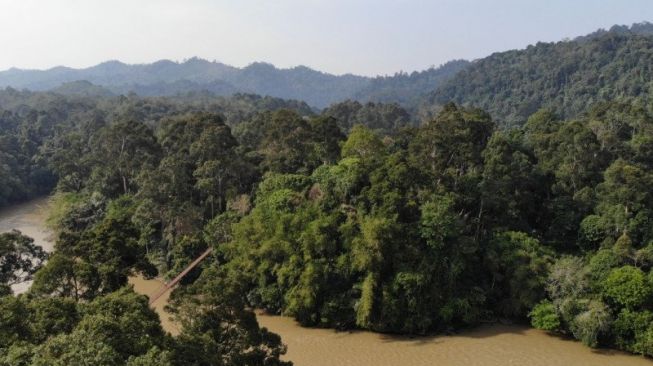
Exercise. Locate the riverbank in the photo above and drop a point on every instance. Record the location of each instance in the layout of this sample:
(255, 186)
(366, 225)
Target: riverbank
(489, 345)
(29, 217)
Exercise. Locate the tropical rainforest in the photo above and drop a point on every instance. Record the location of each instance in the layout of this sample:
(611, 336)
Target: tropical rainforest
(358, 216)
(567, 76)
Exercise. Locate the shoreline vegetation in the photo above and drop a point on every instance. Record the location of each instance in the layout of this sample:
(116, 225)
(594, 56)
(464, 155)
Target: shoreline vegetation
(317, 347)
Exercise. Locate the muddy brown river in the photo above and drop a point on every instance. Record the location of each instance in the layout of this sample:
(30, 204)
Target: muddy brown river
(490, 345)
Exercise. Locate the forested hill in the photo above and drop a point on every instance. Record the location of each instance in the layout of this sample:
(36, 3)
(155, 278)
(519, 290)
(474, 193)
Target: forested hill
(642, 29)
(169, 78)
(568, 76)
(408, 89)
(165, 77)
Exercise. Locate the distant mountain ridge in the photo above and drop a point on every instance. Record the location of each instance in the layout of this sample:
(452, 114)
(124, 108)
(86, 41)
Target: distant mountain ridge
(570, 75)
(408, 89)
(114, 73)
(166, 77)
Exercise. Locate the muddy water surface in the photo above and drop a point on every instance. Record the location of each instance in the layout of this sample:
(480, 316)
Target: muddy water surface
(29, 218)
(150, 288)
(495, 345)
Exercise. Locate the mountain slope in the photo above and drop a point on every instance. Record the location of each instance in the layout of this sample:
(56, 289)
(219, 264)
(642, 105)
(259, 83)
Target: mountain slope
(566, 76)
(170, 78)
(82, 88)
(407, 89)
(316, 88)
(115, 73)
(165, 77)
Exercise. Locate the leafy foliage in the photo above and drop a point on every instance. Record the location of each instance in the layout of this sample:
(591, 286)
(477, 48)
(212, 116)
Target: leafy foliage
(20, 258)
(383, 118)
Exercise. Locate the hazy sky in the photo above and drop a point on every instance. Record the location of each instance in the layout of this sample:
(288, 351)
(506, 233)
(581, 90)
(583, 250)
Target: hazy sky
(339, 36)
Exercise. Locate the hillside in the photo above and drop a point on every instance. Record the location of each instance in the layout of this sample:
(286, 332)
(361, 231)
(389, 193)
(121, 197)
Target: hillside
(407, 89)
(116, 73)
(566, 76)
(165, 78)
(82, 88)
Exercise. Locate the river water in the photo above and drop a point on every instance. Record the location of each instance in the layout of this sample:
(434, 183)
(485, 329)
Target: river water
(490, 345)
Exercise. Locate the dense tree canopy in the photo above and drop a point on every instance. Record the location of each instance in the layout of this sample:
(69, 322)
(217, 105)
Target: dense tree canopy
(352, 218)
(568, 76)
(384, 118)
(427, 229)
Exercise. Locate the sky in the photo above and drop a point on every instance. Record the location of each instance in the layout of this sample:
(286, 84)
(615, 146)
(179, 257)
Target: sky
(366, 37)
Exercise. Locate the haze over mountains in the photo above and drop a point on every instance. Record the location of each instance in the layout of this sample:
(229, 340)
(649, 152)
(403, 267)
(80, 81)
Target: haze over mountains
(168, 78)
(511, 85)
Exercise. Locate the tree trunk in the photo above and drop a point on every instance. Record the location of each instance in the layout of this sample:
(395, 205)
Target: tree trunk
(124, 184)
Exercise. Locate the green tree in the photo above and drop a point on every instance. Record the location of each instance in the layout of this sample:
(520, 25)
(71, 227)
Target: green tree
(512, 186)
(216, 328)
(633, 331)
(518, 265)
(96, 261)
(364, 144)
(216, 163)
(76, 348)
(451, 145)
(20, 258)
(625, 201)
(627, 286)
(123, 150)
(544, 316)
(592, 323)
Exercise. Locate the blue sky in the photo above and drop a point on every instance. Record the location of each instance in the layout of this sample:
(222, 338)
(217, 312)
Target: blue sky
(339, 36)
